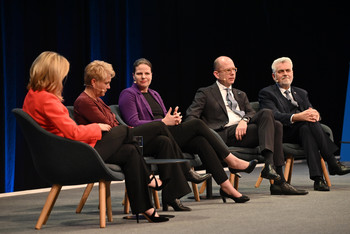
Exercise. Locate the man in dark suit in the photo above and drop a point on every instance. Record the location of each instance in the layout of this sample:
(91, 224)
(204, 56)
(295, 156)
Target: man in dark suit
(227, 111)
(291, 106)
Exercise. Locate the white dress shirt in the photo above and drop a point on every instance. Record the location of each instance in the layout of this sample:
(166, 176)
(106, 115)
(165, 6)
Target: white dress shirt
(233, 118)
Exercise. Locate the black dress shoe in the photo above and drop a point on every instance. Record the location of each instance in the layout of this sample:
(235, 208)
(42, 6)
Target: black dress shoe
(241, 199)
(320, 185)
(248, 170)
(339, 169)
(286, 189)
(196, 178)
(177, 206)
(269, 173)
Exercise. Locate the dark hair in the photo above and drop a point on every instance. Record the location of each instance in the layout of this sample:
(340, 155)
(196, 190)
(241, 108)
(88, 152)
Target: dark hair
(141, 61)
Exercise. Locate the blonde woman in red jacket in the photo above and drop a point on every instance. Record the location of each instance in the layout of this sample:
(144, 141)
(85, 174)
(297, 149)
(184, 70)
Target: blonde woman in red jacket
(43, 103)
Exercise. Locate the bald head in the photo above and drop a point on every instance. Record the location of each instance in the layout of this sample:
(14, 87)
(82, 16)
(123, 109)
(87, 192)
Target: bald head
(219, 61)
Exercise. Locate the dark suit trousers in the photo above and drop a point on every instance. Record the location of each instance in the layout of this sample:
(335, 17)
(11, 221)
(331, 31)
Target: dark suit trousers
(194, 136)
(115, 149)
(159, 142)
(263, 131)
(314, 141)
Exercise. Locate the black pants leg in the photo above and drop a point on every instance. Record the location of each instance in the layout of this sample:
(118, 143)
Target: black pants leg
(314, 141)
(158, 142)
(195, 137)
(114, 149)
(262, 131)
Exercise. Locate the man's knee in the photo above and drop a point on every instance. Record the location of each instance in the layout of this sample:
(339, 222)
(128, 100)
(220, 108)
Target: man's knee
(266, 113)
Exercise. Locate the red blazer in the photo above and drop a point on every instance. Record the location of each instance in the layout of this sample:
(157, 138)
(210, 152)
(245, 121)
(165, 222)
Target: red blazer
(48, 111)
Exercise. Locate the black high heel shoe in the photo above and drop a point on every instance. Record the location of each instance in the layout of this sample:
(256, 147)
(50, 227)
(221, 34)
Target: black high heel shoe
(158, 188)
(153, 218)
(241, 199)
(248, 170)
(176, 205)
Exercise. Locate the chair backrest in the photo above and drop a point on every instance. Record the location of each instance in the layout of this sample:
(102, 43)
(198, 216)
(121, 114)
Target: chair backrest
(115, 109)
(60, 160)
(255, 106)
(71, 111)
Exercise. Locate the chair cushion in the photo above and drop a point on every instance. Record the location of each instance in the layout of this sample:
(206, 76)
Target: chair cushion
(195, 161)
(294, 150)
(114, 167)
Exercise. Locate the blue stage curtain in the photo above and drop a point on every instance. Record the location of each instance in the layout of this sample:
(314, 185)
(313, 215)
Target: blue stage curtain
(345, 145)
(181, 38)
(80, 30)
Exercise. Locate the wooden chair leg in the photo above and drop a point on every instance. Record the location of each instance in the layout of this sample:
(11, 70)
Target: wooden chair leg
(109, 201)
(47, 216)
(288, 170)
(258, 182)
(325, 173)
(156, 198)
(84, 198)
(203, 187)
(50, 202)
(236, 182)
(126, 203)
(232, 178)
(195, 192)
(102, 195)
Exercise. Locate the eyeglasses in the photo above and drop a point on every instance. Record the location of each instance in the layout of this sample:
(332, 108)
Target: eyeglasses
(229, 70)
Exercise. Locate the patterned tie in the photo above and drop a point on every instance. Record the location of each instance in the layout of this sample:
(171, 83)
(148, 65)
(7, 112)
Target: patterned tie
(232, 103)
(289, 97)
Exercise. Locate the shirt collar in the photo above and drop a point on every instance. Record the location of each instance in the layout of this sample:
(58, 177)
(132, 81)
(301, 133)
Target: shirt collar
(223, 87)
(284, 90)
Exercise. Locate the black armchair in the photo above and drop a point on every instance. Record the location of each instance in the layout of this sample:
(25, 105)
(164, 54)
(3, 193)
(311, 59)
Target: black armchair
(61, 161)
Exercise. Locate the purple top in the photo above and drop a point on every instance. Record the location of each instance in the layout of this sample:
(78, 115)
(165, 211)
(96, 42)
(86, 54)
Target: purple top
(134, 107)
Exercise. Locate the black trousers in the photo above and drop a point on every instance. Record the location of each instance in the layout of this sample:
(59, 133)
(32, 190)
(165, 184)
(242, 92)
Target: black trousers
(194, 136)
(314, 141)
(159, 142)
(116, 147)
(263, 131)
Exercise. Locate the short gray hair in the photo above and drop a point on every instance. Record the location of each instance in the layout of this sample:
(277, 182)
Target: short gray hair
(280, 60)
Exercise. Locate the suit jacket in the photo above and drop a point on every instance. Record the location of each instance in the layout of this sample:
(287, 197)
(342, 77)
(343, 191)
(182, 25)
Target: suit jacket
(134, 107)
(209, 106)
(48, 111)
(271, 97)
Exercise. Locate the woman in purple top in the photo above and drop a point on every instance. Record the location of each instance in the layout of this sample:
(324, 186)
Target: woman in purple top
(140, 105)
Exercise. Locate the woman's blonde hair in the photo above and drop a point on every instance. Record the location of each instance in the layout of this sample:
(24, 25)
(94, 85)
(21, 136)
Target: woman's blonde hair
(47, 73)
(97, 70)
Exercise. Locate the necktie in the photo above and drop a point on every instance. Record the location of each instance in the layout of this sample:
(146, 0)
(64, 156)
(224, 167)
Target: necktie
(232, 103)
(289, 97)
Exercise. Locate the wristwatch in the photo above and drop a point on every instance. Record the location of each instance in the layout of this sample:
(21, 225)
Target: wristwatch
(246, 119)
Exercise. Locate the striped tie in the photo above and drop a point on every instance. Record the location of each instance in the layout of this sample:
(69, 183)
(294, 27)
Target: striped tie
(289, 97)
(232, 103)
